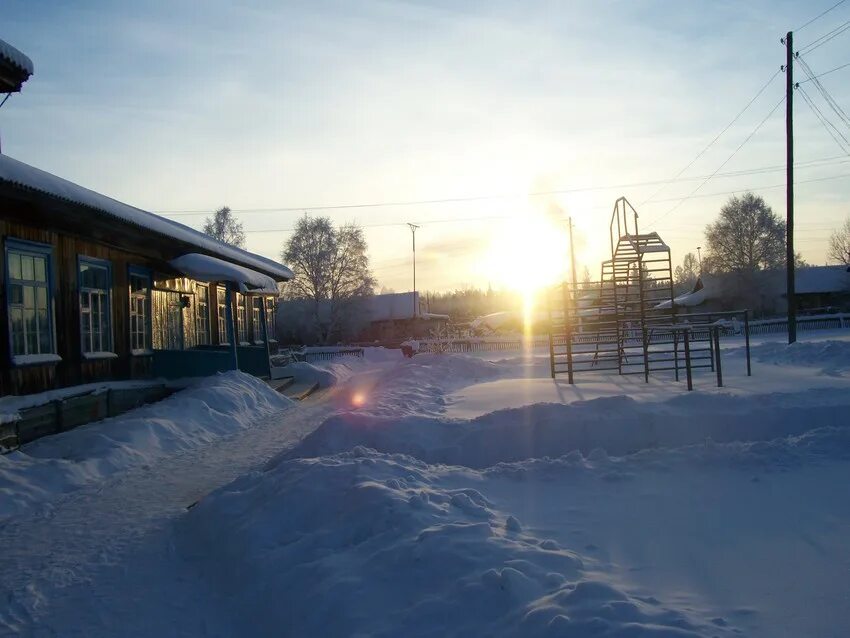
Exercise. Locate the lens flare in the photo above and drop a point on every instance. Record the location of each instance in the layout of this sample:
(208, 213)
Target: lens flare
(358, 400)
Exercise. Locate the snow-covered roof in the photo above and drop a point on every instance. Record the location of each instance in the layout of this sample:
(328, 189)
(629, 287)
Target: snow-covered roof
(815, 279)
(17, 58)
(28, 177)
(206, 268)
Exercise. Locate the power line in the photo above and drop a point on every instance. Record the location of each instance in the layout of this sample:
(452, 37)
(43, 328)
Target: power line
(820, 15)
(282, 209)
(820, 75)
(823, 120)
(502, 217)
(819, 42)
(726, 161)
(827, 96)
(717, 137)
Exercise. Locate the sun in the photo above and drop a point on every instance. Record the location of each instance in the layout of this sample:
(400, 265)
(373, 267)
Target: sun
(528, 253)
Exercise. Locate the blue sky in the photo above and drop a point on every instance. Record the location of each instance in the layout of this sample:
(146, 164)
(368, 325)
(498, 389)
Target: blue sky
(176, 106)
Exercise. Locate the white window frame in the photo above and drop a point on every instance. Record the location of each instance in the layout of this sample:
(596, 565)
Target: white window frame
(98, 345)
(45, 350)
(140, 309)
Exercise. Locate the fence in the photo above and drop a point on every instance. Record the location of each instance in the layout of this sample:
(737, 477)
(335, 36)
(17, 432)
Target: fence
(812, 322)
(311, 355)
(511, 343)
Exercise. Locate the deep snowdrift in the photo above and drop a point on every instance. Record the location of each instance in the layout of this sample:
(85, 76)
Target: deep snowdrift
(216, 406)
(616, 425)
(362, 543)
(705, 514)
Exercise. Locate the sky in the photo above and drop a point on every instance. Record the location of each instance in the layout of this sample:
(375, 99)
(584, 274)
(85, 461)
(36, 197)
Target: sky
(182, 107)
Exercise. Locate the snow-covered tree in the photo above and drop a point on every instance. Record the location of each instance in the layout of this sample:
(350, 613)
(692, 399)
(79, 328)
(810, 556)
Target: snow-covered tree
(224, 226)
(839, 244)
(331, 267)
(748, 236)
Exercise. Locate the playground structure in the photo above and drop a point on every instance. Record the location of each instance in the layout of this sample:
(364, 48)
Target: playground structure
(627, 321)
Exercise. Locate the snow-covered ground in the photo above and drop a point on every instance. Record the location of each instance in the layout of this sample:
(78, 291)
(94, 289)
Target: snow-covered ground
(451, 495)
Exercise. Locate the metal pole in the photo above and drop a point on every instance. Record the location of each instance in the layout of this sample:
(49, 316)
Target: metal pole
(747, 340)
(716, 331)
(789, 186)
(573, 258)
(413, 228)
(690, 378)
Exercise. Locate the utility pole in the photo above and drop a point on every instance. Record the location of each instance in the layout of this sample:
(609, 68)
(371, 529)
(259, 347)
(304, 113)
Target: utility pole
(789, 187)
(413, 228)
(573, 258)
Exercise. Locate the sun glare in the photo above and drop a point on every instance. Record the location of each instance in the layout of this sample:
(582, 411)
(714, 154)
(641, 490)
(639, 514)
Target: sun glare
(528, 254)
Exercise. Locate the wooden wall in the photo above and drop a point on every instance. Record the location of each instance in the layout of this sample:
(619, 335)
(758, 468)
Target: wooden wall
(74, 368)
(73, 230)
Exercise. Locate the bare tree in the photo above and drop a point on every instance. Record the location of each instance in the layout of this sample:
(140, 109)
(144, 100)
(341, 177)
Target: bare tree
(686, 274)
(224, 226)
(747, 237)
(839, 244)
(331, 268)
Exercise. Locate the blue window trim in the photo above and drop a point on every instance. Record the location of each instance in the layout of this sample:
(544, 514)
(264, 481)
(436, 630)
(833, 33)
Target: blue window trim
(36, 248)
(141, 271)
(103, 263)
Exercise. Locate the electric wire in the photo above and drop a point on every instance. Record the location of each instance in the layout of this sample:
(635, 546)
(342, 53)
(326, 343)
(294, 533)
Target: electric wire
(829, 126)
(717, 137)
(827, 96)
(820, 75)
(826, 161)
(819, 42)
(820, 15)
(726, 161)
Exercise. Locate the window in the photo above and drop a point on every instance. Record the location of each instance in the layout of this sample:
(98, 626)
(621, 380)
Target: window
(221, 302)
(95, 280)
(140, 310)
(202, 314)
(167, 320)
(270, 317)
(29, 299)
(256, 309)
(241, 319)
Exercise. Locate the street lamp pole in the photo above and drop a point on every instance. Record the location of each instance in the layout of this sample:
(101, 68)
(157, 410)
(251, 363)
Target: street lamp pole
(699, 258)
(413, 228)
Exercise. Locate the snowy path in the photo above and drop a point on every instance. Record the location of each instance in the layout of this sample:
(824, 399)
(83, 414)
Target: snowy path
(117, 533)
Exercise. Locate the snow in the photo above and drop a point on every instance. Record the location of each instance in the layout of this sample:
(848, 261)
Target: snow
(16, 57)
(35, 359)
(206, 268)
(459, 496)
(100, 355)
(58, 464)
(819, 279)
(29, 177)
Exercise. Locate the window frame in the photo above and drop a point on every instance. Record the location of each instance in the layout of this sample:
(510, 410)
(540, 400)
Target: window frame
(99, 263)
(221, 314)
(202, 318)
(140, 271)
(242, 320)
(258, 306)
(37, 249)
(270, 308)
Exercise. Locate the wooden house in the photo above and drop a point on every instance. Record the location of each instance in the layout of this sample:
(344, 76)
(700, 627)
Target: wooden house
(94, 289)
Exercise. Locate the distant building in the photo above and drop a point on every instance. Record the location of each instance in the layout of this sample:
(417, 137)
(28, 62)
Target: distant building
(395, 317)
(389, 319)
(817, 288)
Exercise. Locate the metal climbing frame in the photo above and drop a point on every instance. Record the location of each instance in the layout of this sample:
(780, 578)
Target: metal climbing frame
(614, 324)
(627, 320)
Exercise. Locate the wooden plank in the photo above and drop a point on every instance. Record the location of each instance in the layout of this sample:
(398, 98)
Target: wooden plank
(37, 422)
